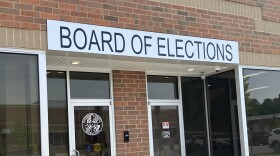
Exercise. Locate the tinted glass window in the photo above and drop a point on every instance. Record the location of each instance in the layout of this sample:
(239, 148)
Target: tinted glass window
(19, 105)
(194, 116)
(262, 93)
(162, 87)
(222, 106)
(58, 113)
(85, 85)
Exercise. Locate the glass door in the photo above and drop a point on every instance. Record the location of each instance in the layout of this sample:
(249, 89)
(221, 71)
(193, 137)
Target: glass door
(91, 131)
(166, 129)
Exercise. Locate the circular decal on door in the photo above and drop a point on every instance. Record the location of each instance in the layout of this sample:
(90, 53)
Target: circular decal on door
(92, 124)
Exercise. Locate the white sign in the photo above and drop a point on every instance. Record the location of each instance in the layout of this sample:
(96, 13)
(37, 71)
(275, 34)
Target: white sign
(166, 134)
(92, 124)
(75, 37)
(165, 125)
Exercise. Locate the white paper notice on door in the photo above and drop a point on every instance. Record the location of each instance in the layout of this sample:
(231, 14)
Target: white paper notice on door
(166, 134)
(165, 125)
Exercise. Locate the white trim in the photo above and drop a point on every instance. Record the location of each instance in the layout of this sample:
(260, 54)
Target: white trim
(21, 51)
(183, 73)
(42, 79)
(242, 105)
(101, 102)
(112, 116)
(70, 122)
(150, 125)
(79, 69)
(206, 109)
(260, 67)
(181, 124)
(43, 105)
(164, 102)
(88, 102)
(181, 118)
(241, 112)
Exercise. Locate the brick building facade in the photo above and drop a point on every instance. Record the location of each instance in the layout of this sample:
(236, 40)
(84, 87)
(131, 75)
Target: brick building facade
(254, 24)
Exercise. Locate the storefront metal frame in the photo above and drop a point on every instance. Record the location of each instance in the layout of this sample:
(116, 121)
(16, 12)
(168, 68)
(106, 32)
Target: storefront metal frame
(44, 107)
(70, 101)
(43, 94)
(165, 102)
(90, 102)
(242, 105)
(177, 103)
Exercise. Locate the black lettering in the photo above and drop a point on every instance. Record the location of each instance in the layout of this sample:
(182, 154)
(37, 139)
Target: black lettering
(168, 46)
(177, 48)
(198, 44)
(229, 52)
(186, 49)
(62, 45)
(168, 52)
(116, 41)
(106, 40)
(132, 45)
(204, 50)
(75, 42)
(221, 52)
(214, 51)
(91, 42)
(160, 46)
(145, 43)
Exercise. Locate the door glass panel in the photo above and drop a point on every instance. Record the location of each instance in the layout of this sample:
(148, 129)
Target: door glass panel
(223, 114)
(166, 131)
(92, 130)
(194, 116)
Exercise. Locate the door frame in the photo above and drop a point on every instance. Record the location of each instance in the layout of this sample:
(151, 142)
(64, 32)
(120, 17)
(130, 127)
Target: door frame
(177, 103)
(89, 102)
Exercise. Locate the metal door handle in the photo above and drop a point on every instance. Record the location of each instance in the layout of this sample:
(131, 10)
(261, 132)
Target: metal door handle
(77, 153)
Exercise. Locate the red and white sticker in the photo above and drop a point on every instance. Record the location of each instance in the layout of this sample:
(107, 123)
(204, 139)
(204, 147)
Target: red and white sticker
(165, 125)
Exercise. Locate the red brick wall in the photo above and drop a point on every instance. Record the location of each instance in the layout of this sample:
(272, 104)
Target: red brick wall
(141, 15)
(131, 112)
(270, 8)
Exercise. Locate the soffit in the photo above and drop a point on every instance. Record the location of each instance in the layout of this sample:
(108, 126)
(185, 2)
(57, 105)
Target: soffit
(96, 62)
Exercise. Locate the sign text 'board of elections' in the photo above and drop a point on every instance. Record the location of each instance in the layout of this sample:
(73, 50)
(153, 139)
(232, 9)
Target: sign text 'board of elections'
(75, 37)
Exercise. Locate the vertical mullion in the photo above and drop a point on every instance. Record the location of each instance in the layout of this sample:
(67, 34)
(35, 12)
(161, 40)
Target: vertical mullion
(70, 114)
(241, 111)
(207, 117)
(181, 118)
(43, 104)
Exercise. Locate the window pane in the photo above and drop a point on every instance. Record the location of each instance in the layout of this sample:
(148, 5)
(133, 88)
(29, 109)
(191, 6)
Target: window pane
(162, 87)
(223, 114)
(19, 105)
(86, 85)
(58, 113)
(262, 93)
(194, 116)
